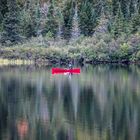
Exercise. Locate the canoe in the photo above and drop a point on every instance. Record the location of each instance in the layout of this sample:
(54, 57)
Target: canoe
(61, 71)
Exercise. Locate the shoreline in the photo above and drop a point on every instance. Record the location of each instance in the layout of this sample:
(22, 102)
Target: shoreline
(55, 55)
(19, 62)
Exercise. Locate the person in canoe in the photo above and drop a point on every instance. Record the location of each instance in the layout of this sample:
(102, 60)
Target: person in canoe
(70, 66)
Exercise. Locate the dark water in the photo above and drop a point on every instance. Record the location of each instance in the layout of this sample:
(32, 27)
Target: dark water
(102, 103)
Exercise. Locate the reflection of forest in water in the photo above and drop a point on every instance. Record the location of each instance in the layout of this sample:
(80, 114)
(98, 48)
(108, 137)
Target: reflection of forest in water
(102, 103)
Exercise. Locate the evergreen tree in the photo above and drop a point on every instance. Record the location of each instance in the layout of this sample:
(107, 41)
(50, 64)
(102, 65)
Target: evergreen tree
(115, 6)
(35, 22)
(3, 9)
(132, 7)
(60, 22)
(125, 5)
(102, 27)
(87, 18)
(60, 18)
(138, 6)
(68, 13)
(75, 25)
(51, 24)
(136, 23)
(10, 24)
(30, 19)
(118, 24)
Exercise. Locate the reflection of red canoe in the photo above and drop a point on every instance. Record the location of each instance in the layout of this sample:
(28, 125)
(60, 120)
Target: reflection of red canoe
(61, 70)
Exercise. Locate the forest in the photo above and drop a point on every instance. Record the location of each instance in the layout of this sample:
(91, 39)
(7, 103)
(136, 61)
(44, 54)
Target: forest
(60, 30)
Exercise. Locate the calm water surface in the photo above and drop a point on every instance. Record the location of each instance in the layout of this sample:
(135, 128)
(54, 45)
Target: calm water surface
(102, 103)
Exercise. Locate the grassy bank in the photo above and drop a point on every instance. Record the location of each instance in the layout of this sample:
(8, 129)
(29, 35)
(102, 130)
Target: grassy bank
(99, 49)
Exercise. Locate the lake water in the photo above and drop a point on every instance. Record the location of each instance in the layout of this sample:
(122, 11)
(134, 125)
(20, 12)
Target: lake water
(102, 103)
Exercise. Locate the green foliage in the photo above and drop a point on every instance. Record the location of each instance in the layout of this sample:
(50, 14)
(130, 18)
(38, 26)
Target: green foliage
(135, 57)
(88, 11)
(115, 6)
(138, 55)
(125, 8)
(10, 33)
(25, 24)
(132, 7)
(49, 35)
(136, 23)
(89, 53)
(1, 29)
(120, 26)
(124, 51)
(51, 24)
(92, 49)
(101, 46)
(87, 18)
(30, 20)
(97, 41)
(3, 9)
(68, 13)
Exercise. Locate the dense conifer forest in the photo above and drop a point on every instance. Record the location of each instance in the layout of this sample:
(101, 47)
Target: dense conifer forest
(94, 30)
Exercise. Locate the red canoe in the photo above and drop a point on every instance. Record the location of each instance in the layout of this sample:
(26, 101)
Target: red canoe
(61, 70)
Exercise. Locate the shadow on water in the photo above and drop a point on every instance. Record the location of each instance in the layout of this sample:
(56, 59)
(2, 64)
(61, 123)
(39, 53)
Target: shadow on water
(102, 103)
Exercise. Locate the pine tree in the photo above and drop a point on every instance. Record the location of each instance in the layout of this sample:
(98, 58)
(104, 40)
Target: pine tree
(125, 4)
(75, 25)
(60, 21)
(3, 9)
(51, 24)
(10, 25)
(115, 6)
(87, 18)
(118, 24)
(138, 6)
(136, 23)
(68, 13)
(30, 19)
(132, 8)
(35, 22)
(102, 27)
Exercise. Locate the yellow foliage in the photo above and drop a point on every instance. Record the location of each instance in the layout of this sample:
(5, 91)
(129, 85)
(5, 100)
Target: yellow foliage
(15, 62)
